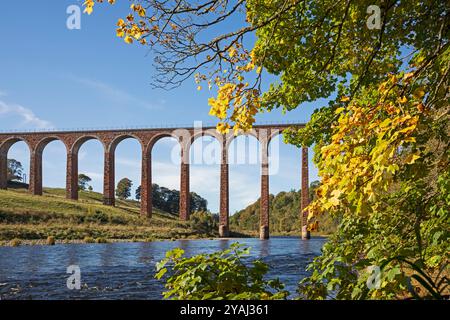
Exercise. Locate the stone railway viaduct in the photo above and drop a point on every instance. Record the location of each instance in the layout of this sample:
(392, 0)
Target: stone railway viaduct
(147, 138)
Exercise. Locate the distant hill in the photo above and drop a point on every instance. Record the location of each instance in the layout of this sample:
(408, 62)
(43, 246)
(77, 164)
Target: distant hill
(284, 215)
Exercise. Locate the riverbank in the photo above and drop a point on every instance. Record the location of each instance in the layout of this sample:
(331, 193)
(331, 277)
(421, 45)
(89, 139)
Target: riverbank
(45, 242)
(296, 233)
(51, 218)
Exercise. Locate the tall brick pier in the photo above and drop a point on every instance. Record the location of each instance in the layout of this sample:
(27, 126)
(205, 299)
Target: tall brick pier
(147, 138)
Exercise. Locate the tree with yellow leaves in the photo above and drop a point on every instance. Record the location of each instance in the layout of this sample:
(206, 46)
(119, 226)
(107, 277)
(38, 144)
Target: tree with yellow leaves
(382, 142)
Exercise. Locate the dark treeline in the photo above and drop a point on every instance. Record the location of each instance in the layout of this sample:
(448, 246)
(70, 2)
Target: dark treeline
(169, 200)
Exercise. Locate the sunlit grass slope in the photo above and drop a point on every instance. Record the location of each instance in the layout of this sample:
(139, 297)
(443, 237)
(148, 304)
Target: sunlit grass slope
(23, 216)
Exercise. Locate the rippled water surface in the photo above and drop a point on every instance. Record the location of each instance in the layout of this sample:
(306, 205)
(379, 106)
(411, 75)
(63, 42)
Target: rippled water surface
(125, 270)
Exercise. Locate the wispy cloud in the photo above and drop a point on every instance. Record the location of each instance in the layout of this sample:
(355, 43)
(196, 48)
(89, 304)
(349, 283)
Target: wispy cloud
(27, 116)
(3, 93)
(116, 94)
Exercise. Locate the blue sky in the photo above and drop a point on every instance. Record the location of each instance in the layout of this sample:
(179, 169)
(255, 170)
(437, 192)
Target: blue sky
(53, 77)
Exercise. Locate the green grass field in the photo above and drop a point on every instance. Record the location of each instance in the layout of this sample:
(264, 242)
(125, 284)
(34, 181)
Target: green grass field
(26, 217)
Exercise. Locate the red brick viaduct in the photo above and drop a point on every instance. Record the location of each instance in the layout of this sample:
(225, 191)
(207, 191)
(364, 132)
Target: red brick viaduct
(147, 138)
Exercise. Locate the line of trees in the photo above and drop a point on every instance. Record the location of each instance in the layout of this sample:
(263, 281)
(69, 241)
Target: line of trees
(169, 200)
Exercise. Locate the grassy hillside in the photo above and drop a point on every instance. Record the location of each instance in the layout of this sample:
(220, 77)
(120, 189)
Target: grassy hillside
(284, 216)
(23, 216)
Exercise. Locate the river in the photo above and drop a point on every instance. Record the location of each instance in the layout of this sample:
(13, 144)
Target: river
(125, 270)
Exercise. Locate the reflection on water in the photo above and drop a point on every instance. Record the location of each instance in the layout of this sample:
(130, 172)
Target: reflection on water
(125, 270)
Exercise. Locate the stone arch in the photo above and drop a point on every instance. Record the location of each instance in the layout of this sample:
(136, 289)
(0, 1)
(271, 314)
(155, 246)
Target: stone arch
(273, 133)
(72, 163)
(207, 155)
(8, 143)
(76, 145)
(5, 146)
(230, 137)
(207, 133)
(183, 137)
(119, 138)
(151, 143)
(39, 153)
(109, 168)
(221, 139)
(40, 146)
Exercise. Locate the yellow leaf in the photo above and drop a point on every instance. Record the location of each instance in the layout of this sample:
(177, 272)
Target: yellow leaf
(419, 93)
(339, 110)
(408, 75)
(421, 107)
(402, 100)
(120, 33)
(128, 39)
(345, 99)
(88, 10)
(232, 52)
(223, 127)
(89, 4)
(334, 201)
(412, 158)
(336, 193)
